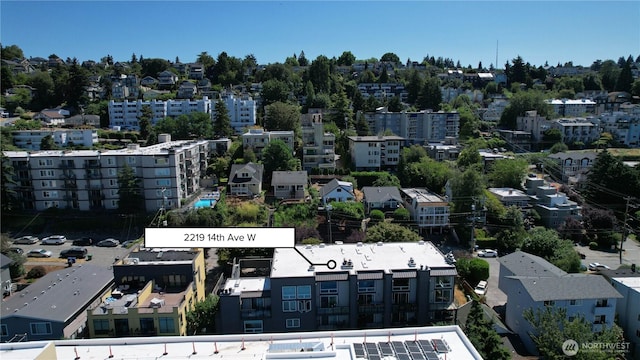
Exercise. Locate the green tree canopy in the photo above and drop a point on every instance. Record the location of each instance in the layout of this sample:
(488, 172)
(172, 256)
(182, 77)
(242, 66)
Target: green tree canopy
(346, 59)
(547, 244)
(390, 57)
(508, 173)
(522, 102)
(390, 232)
(201, 320)
(277, 156)
(129, 192)
(483, 336)
(281, 116)
(221, 120)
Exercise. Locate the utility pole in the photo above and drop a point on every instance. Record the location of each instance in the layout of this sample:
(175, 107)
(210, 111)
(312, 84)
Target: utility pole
(329, 208)
(624, 226)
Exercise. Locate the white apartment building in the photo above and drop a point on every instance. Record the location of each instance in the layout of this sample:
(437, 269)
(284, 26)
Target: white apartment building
(31, 139)
(416, 127)
(428, 210)
(88, 179)
(577, 130)
(383, 91)
(318, 146)
(242, 111)
(258, 139)
(628, 308)
(375, 152)
(125, 114)
(572, 108)
(623, 125)
(533, 123)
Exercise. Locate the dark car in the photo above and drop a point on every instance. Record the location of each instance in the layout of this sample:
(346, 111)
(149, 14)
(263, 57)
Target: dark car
(85, 241)
(76, 252)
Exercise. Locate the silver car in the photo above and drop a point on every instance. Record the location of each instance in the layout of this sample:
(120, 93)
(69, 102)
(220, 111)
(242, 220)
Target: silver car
(26, 240)
(54, 240)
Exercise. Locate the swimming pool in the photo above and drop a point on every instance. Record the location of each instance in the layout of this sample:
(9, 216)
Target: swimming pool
(204, 203)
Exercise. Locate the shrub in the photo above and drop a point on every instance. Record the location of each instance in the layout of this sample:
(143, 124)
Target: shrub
(36, 272)
(401, 214)
(376, 215)
(593, 245)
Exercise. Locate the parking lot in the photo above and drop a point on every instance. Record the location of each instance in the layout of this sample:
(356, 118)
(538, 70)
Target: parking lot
(103, 256)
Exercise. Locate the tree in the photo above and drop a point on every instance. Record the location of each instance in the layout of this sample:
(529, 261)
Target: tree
(78, 81)
(547, 244)
(414, 86)
(341, 113)
(11, 52)
(508, 173)
(558, 148)
(390, 232)
(473, 270)
(394, 104)
(281, 116)
(387, 179)
(430, 95)
(7, 192)
(362, 126)
(390, 57)
(47, 143)
(129, 192)
(483, 336)
(465, 187)
(625, 79)
(43, 83)
(319, 73)
(274, 90)
(469, 156)
(609, 73)
(302, 60)
(6, 79)
(552, 326)
(522, 102)
(222, 121)
(201, 319)
(144, 121)
(277, 156)
(346, 59)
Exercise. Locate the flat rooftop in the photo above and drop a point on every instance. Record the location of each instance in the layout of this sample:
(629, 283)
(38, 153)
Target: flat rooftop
(450, 343)
(287, 262)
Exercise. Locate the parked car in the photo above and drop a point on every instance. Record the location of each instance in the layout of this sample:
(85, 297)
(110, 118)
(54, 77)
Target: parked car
(15, 250)
(597, 266)
(108, 243)
(42, 253)
(481, 288)
(85, 241)
(487, 253)
(77, 252)
(27, 240)
(54, 240)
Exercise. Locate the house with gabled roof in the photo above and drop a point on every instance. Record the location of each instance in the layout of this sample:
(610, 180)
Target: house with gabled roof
(336, 190)
(50, 117)
(245, 179)
(289, 184)
(187, 90)
(148, 81)
(167, 79)
(384, 198)
(54, 306)
(531, 282)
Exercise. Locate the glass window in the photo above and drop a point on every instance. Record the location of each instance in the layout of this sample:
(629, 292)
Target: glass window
(101, 326)
(288, 292)
(40, 328)
(366, 286)
(253, 326)
(166, 325)
(293, 323)
(3, 330)
(289, 306)
(328, 287)
(304, 292)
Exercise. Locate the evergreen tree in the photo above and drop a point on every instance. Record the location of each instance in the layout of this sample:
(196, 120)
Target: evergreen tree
(483, 336)
(625, 79)
(47, 143)
(144, 122)
(430, 95)
(222, 121)
(362, 127)
(129, 192)
(413, 87)
(7, 193)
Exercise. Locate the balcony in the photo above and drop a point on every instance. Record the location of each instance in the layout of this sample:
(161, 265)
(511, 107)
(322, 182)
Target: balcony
(255, 313)
(335, 310)
(403, 307)
(91, 164)
(371, 308)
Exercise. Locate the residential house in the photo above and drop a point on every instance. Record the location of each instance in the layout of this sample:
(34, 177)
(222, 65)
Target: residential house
(336, 190)
(258, 139)
(318, 146)
(494, 110)
(534, 124)
(31, 139)
(148, 81)
(532, 283)
(196, 71)
(83, 120)
(517, 141)
(50, 117)
(553, 206)
(153, 291)
(627, 282)
(245, 179)
(187, 90)
(447, 150)
(54, 306)
(623, 125)
(289, 184)
(384, 198)
(364, 286)
(577, 130)
(572, 166)
(167, 80)
(375, 152)
(511, 197)
(429, 211)
(87, 180)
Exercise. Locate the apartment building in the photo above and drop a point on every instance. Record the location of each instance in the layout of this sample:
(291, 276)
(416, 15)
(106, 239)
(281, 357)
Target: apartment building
(530, 282)
(535, 124)
(573, 166)
(383, 91)
(574, 130)
(258, 139)
(125, 114)
(339, 286)
(318, 146)
(623, 125)
(429, 211)
(627, 282)
(553, 206)
(153, 291)
(572, 108)
(375, 152)
(85, 180)
(416, 127)
(242, 111)
(31, 139)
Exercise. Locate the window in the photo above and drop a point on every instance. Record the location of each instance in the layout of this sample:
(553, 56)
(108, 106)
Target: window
(289, 306)
(288, 292)
(443, 281)
(304, 305)
(329, 287)
(400, 298)
(112, 172)
(166, 325)
(47, 173)
(163, 182)
(45, 162)
(328, 301)
(365, 286)
(442, 296)
(304, 292)
(400, 284)
(101, 326)
(549, 303)
(131, 160)
(293, 323)
(162, 172)
(3, 330)
(40, 328)
(601, 303)
(574, 302)
(253, 326)
(365, 299)
(600, 319)
(50, 194)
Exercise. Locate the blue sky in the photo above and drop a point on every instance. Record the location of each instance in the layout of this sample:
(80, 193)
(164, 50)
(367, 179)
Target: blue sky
(559, 31)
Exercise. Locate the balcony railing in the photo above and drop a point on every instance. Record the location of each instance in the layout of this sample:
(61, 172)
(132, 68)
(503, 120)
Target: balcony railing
(335, 310)
(371, 308)
(404, 307)
(255, 313)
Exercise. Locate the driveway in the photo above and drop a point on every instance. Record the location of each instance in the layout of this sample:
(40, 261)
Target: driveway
(495, 297)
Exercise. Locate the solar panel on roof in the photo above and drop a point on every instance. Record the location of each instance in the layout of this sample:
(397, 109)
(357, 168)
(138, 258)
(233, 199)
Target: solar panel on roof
(403, 356)
(386, 349)
(431, 355)
(412, 346)
(372, 349)
(359, 350)
(425, 345)
(417, 356)
(375, 357)
(440, 345)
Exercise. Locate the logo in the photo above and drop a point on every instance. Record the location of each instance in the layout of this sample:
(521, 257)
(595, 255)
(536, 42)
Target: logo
(570, 347)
